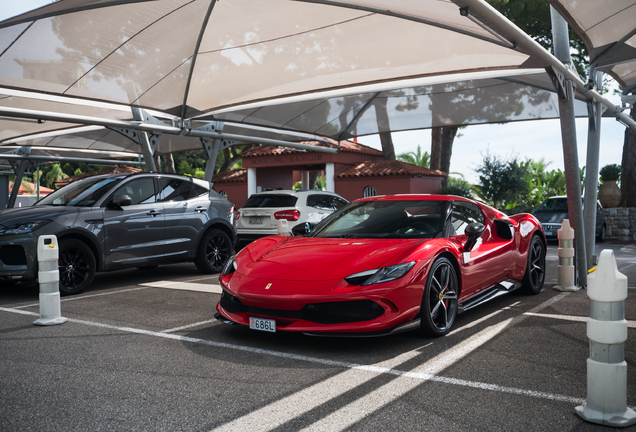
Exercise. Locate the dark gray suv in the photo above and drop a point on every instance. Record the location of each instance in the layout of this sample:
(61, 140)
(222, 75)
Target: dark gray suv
(119, 221)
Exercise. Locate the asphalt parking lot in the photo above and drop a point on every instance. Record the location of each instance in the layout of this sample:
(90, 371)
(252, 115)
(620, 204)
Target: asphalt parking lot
(142, 351)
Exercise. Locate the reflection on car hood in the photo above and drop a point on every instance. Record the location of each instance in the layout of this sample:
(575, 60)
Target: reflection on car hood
(551, 217)
(307, 259)
(20, 214)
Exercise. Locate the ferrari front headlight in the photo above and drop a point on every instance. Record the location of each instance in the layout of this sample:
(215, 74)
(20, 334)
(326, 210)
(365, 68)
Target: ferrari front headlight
(384, 274)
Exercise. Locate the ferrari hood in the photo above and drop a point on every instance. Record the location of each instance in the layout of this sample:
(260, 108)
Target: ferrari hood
(311, 259)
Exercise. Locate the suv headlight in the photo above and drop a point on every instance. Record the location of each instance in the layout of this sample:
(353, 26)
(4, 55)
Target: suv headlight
(23, 227)
(384, 274)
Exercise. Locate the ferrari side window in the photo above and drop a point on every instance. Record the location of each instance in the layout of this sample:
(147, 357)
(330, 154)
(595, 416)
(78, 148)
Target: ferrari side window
(465, 213)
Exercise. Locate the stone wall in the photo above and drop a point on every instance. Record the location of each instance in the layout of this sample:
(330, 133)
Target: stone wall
(621, 223)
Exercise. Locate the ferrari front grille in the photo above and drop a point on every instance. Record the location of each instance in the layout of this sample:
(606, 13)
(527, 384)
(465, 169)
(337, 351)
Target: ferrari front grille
(13, 255)
(321, 313)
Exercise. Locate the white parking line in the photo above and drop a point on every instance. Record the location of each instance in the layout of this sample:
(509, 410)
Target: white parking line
(82, 297)
(208, 288)
(357, 374)
(189, 326)
(631, 324)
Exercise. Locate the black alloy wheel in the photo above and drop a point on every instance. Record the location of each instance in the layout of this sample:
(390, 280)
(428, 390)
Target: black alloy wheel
(214, 251)
(535, 270)
(439, 304)
(77, 266)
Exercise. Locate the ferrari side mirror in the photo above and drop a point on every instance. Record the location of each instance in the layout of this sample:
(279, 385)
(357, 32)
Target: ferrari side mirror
(473, 231)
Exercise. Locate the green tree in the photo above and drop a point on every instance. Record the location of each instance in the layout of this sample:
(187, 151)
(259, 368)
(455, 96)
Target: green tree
(458, 186)
(533, 17)
(416, 158)
(501, 183)
(54, 174)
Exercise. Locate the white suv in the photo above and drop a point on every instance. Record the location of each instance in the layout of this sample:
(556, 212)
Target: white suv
(260, 214)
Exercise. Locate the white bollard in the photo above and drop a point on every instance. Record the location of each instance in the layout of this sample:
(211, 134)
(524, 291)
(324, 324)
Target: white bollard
(49, 278)
(607, 330)
(565, 276)
(283, 227)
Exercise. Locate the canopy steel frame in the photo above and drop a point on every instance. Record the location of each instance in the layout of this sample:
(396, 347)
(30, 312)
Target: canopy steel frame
(492, 19)
(153, 128)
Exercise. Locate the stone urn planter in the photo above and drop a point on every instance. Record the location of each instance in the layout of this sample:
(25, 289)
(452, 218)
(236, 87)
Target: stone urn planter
(609, 194)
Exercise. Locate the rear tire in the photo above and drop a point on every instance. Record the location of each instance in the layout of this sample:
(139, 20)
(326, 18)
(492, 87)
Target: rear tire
(77, 266)
(439, 303)
(535, 269)
(214, 251)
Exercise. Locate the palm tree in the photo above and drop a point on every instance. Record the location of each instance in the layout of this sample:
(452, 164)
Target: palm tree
(416, 158)
(54, 174)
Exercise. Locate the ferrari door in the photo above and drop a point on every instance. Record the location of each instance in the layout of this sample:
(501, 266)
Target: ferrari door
(489, 262)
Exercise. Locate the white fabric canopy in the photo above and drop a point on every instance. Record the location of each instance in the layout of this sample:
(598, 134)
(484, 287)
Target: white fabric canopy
(608, 30)
(187, 57)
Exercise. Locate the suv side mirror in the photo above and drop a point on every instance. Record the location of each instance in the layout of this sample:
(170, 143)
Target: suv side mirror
(473, 231)
(121, 201)
(302, 229)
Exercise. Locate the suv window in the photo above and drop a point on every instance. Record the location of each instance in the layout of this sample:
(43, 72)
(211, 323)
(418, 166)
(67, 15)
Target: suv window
(80, 194)
(465, 213)
(175, 190)
(141, 191)
(262, 201)
(325, 202)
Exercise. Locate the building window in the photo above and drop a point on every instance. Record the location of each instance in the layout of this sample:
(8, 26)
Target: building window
(369, 191)
(223, 194)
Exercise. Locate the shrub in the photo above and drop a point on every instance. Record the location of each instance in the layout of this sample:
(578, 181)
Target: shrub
(610, 172)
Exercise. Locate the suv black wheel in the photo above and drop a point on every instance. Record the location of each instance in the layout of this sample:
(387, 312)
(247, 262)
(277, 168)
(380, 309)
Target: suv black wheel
(214, 251)
(77, 266)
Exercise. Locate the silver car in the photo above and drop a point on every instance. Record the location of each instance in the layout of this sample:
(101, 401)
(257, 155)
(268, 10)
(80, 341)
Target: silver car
(119, 221)
(260, 214)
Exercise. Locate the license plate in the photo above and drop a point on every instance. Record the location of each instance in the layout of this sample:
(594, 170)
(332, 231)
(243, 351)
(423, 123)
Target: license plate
(256, 220)
(548, 233)
(263, 324)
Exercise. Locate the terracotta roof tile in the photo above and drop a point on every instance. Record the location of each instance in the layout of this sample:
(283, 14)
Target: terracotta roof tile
(345, 147)
(388, 168)
(233, 176)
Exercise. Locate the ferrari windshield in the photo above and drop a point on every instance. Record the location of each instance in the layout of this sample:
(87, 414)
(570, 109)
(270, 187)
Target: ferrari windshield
(385, 219)
(81, 193)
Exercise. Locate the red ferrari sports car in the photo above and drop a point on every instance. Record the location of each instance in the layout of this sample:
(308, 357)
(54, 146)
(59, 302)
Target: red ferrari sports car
(382, 265)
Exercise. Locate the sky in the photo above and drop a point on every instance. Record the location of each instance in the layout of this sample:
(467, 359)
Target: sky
(538, 139)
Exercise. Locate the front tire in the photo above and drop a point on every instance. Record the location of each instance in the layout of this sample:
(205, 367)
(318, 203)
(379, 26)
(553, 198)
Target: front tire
(535, 270)
(214, 251)
(77, 266)
(439, 304)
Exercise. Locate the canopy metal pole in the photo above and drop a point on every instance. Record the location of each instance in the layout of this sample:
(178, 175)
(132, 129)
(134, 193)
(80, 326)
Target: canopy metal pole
(144, 143)
(19, 169)
(561, 44)
(595, 111)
